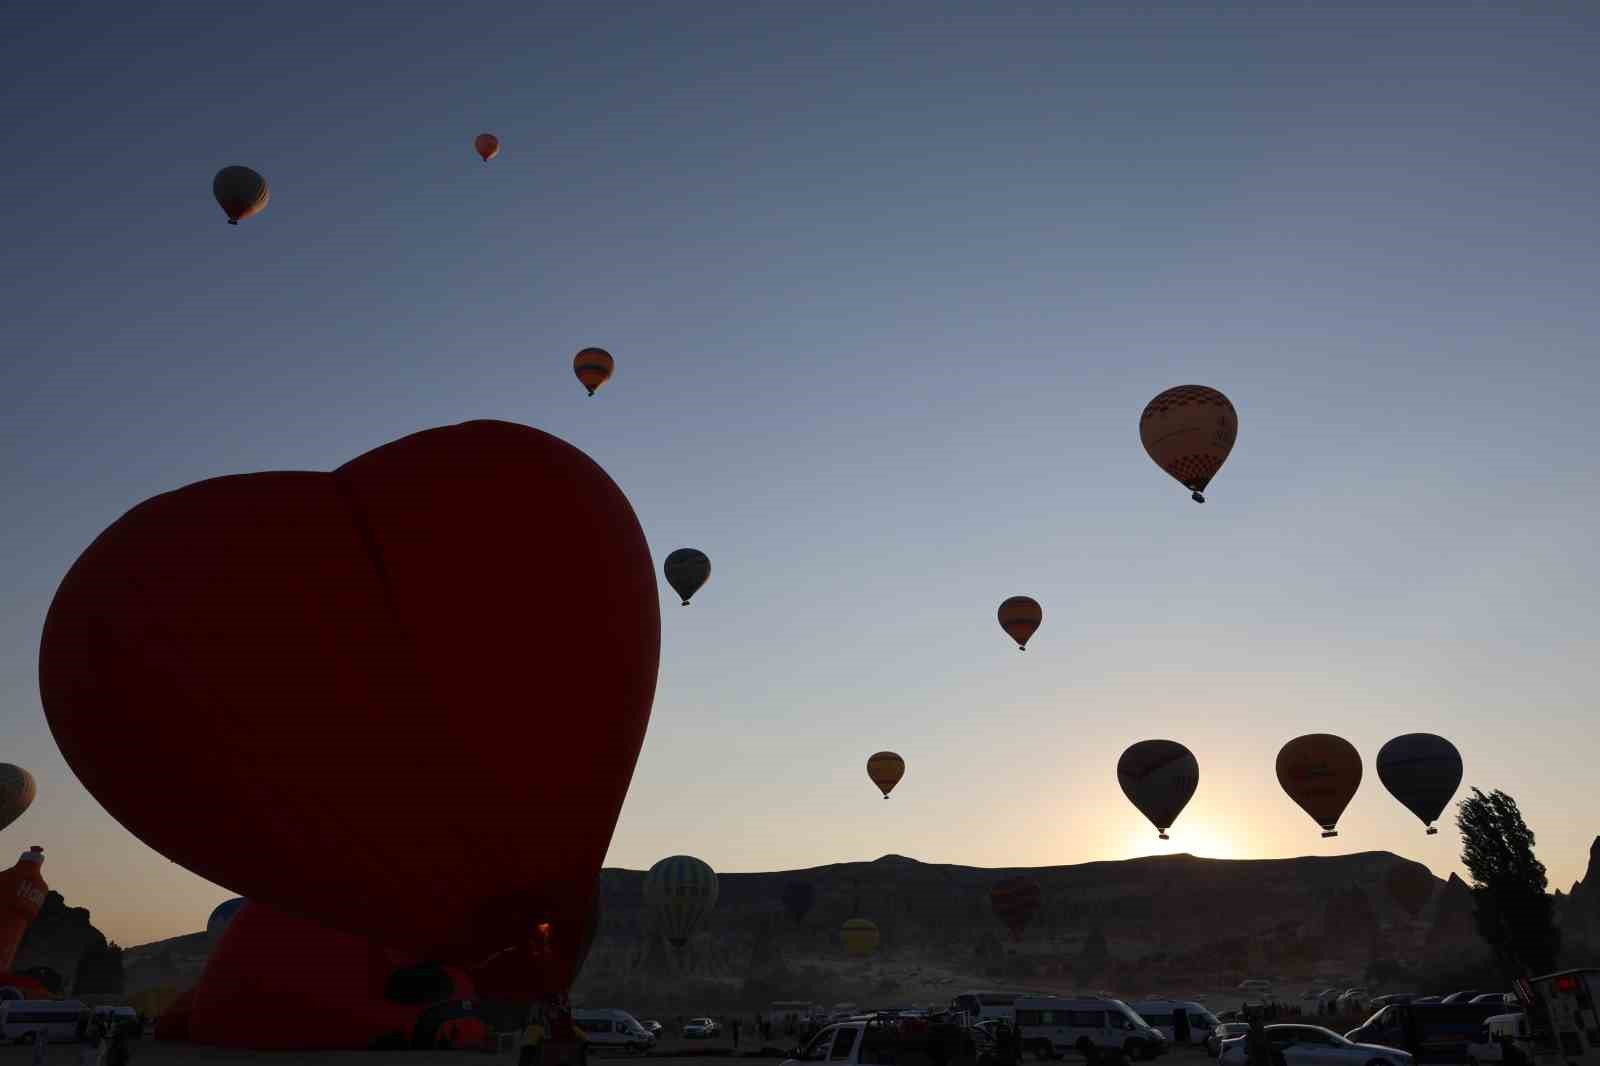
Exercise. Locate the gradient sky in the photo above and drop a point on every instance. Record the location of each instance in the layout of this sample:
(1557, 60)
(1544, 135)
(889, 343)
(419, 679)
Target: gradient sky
(888, 286)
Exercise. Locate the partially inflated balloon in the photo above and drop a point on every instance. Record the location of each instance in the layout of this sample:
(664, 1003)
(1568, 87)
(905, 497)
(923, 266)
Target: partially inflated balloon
(679, 891)
(1019, 617)
(1411, 885)
(1189, 431)
(886, 769)
(687, 569)
(593, 367)
(487, 145)
(860, 936)
(798, 898)
(1321, 773)
(1423, 772)
(16, 793)
(1015, 900)
(240, 192)
(1159, 777)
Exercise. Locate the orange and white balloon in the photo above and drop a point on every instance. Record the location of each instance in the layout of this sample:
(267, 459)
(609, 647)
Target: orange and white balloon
(1189, 431)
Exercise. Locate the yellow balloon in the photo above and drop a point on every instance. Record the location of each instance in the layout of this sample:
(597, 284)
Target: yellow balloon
(860, 936)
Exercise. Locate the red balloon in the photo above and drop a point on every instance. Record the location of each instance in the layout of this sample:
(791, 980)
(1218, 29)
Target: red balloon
(1015, 901)
(22, 893)
(173, 1023)
(403, 699)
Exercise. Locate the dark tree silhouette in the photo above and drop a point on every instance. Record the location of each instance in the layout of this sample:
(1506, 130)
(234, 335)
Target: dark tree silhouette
(1513, 911)
(99, 970)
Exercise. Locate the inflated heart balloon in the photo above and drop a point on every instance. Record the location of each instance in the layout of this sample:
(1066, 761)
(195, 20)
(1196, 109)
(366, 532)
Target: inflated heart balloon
(403, 699)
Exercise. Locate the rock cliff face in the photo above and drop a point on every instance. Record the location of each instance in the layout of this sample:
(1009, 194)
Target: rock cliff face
(1579, 912)
(58, 938)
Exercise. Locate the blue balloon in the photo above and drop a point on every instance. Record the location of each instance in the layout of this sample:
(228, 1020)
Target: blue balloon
(221, 917)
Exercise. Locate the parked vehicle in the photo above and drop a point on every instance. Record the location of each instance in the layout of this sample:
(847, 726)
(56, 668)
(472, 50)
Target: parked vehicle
(1431, 1032)
(607, 1027)
(1224, 1031)
(1312, 1045)
(1351, 1001)
(652, 1027)
(701, 1028)
(856, 1043)
(1050, 1026)
(55, 1019)
(1570, 999)
(1180, 1021)
(790, 1015)
(981, 1005)
(1506, 1038)
(1393, 997)
(1504, 999)
(1461, 997)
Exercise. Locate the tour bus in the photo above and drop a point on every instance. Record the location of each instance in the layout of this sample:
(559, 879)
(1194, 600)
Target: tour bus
(1051, 1025)
(56, 1019)
(1181, 1021)
(981, 1005)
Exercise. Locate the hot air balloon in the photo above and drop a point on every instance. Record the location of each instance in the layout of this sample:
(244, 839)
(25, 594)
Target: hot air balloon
(798, 898)
(860, 936)
(221, 918)
(1015, 901)
(22, 893)
(679, 890)
(1189, 431)
(593, 367)
(16, 793)
(1411, 885)
(687, 569)
(1019, 617)
(1321, 773)
(1423, 772)
(487, 145)
(240, 192)
(886, 769)
(398, 590)
(1159, 777)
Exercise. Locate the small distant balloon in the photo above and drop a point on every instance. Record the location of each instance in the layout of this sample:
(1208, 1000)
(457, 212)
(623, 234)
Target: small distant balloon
(1422, 771)
(680, 891)
(240, 192)
(487, 145)
(886, 769)
(687, 569)
(1020, 617)
(16, 793)
(1321, 773)
(593, 367)
(1015, 900)
(860, 936)
(1159, 777)
(1189, 431)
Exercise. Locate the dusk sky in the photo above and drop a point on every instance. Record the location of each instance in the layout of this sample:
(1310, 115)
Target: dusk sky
(888, 286)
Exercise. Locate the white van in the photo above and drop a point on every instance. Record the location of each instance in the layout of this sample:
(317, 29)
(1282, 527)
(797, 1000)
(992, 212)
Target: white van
(981, 1005)
(1181, 1021)
(56, 1019)
(607, 1027)
(1050, 1026)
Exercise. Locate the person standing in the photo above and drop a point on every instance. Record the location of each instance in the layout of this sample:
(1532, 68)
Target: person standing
(41, 1046)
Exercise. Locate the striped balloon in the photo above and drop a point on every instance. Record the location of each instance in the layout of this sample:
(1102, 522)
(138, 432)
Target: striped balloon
(679, 891)
(1015, 901)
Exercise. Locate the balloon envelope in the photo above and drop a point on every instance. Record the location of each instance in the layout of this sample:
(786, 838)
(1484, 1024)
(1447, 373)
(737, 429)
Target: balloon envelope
(17, 791)
(1321, 773)
(221, 917)
(240, 192)
(1159, 777)
(886, 769)
(687, 569)
(1422, 771)
(593, 367)
(860, 936)
(680, 891)
(1189, 431)
(487, 145)
(798, 899)
(1020, 617)
(1015, 900)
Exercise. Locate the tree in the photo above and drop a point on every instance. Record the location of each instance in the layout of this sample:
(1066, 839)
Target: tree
(1513, 911)
(99, 970)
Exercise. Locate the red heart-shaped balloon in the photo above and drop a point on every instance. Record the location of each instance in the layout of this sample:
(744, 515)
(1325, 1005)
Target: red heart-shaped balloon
(403, 699)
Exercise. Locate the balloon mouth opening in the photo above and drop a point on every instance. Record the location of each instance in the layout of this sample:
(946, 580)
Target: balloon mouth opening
(1329, 833)
(1197, 498)
(1432, 830)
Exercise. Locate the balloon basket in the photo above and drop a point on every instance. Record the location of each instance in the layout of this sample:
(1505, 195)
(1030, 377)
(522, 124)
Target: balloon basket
(1163, 836)
(1326, 833)
(1197, 498)
(233, 222)
(1432, 830)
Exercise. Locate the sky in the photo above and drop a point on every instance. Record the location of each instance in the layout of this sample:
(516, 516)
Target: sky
(888, 286)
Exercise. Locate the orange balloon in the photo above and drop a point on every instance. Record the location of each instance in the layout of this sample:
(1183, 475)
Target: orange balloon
(593, 367)
(1321, 773)
(487, 145)
(1019, 617)
(886, 769)
(1189, 431)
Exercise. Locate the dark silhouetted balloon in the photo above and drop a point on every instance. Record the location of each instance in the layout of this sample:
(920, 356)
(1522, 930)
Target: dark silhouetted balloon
(1015, 901)
(1411, 885)
(1020, 617)
(240, 192)
(487, 145)
(593, 367)
(798, 898)
(1159, 777)
(687, 569)
(1422, 771)
(680, 891)
(393, 610)
(886, 769)
(860, 936)
(1321, 773)
(1189, 431)
(221, 918)
(17, 792)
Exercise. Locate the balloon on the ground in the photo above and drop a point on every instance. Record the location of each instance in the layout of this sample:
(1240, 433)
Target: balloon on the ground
(860, 936)
(679, 892)
(487, 145)
(1159, 777)
(240, 192)
(885, 768)
(22, 893)
(1422, 771)
(221, 917)
(1189, 431)
(686, 570)
(1015, 900)
(1321, 773)
(593, 367)
(1411, 884)
(17, 792)
(399, 611)
(1020, 617)
(798, 898)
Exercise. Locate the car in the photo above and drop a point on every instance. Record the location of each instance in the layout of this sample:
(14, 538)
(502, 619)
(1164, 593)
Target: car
(701, 1028)
(1312, 1045)
(1504, 999)
(652, 1027)
(1224, 1031)
(1461, 997)
(1392, 997)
